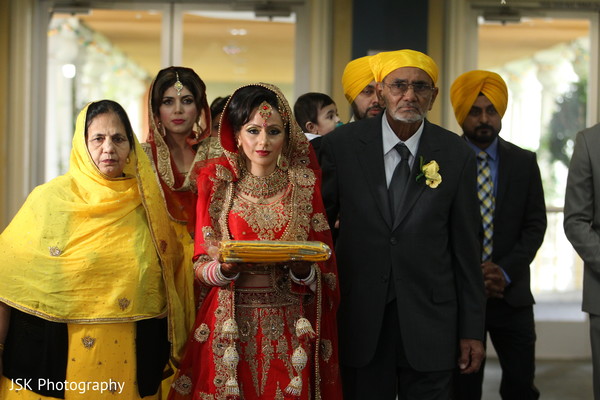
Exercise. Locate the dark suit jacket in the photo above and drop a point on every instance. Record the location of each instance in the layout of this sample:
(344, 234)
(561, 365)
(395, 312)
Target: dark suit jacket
(431, 250)
(316, 144)
(519, 219)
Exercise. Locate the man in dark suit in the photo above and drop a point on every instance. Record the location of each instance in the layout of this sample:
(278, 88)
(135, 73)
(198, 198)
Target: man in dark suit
(512, 230)
(412, 304)
(582, 227)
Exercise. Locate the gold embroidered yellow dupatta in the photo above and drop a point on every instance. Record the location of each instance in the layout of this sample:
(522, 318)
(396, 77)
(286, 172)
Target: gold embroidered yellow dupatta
(88, 249)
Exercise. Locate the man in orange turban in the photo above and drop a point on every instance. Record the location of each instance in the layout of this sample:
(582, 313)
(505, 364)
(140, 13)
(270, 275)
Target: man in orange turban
(413, 299)
(359, 89)
(513, 215)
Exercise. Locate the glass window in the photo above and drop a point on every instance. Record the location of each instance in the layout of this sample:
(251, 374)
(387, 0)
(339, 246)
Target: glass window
(115, 53)
(107, 54)
(545, 63)
(231, 48)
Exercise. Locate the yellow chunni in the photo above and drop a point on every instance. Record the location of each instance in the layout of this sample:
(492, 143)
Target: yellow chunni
(86, 249)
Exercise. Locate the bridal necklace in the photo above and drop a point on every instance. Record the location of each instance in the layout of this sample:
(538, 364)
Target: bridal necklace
(262, 186)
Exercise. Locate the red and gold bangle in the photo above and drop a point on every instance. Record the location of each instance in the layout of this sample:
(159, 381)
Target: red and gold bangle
(211, 274)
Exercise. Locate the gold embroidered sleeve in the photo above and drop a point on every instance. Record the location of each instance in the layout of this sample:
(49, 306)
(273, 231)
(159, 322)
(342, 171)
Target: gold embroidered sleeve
(218, 208)
(223, 174)
(208, 233)
(326, 349)
(303, 176)
(319, 223)
(330, 280)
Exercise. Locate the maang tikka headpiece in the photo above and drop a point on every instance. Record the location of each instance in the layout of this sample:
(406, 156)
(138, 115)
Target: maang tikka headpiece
(265, 110)
(178, 85)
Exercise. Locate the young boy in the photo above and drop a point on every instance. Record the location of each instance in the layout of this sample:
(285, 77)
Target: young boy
(316, 114)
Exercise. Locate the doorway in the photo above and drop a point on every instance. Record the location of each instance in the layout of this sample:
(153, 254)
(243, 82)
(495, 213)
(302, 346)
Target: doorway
(114, 50)
(545, 62)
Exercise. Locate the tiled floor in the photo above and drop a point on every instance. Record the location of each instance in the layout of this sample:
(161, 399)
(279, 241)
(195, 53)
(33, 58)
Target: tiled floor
(556, 380)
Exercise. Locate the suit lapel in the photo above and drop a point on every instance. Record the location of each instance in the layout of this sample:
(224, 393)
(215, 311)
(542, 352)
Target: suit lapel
(370, 157)
(503, 171)
(427, 149)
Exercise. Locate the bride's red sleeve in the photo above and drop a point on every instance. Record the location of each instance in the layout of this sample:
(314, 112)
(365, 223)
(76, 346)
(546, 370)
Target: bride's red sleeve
(207, 182)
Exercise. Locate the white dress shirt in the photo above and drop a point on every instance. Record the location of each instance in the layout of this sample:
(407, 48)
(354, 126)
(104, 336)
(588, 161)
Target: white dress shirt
(391, 158)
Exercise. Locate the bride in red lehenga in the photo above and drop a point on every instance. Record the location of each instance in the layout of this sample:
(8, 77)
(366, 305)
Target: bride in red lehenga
(265, 330)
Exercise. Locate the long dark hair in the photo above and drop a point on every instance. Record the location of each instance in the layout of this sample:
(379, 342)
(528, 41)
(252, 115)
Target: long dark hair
(245, 100)
(188, 77)
(218, 105)
(106, 106)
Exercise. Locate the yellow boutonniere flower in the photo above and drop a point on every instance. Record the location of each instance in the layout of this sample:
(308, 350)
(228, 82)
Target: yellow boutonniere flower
(431, 174)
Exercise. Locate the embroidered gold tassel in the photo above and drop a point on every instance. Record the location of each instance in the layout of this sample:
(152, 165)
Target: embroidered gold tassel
(230, 361)
(232, 389)
(304, 329)
(295, 386)
(230, 329)
(231, 358)
(299, 360)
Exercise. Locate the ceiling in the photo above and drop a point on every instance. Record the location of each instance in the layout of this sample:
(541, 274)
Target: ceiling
(218, 49)
(227, 48)
(499, 44)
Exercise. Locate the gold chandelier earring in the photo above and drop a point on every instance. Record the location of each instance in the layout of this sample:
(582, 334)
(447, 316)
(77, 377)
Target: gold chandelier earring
(241, 157)
(282, 162)
(198, 130)
(161, 129)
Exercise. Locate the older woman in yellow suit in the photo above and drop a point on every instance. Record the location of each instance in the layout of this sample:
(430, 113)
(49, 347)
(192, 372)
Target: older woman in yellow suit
(89, 308)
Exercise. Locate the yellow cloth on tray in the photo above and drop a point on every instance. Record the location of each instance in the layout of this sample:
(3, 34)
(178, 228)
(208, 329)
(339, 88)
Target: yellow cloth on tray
(272, 251)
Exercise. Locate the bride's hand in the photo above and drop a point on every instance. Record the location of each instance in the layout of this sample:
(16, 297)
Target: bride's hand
(300, 269)
(231, 269)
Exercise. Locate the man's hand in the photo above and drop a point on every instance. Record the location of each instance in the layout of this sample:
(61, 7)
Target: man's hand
(494, 279)
(471, 355)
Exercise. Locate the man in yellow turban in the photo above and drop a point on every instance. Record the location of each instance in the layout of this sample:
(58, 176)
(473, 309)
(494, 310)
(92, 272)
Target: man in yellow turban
(470, 85)
(359, 89)
(513, 215)
(408, 240)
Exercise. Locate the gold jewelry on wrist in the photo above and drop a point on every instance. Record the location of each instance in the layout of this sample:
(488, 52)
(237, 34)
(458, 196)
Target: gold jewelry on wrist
(1, 346)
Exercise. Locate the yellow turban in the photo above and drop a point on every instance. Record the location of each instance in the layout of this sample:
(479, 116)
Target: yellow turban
(466, 88)
(357, 75)
(384, 63)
